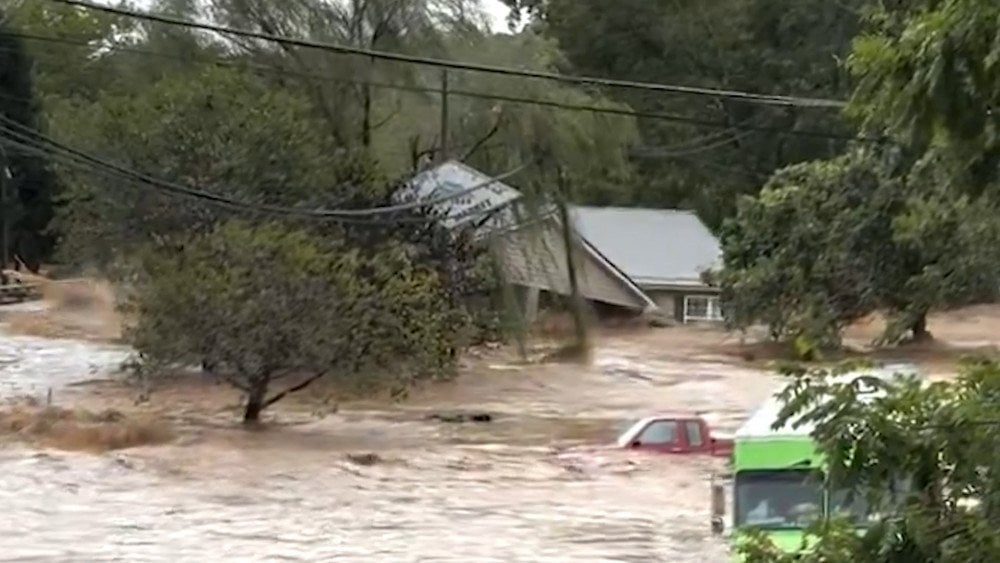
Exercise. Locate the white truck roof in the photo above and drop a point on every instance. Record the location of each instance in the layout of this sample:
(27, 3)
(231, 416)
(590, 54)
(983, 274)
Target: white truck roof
(760, 424)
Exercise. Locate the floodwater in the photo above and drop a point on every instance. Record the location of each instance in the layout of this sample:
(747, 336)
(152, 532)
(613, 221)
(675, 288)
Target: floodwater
(533, 485)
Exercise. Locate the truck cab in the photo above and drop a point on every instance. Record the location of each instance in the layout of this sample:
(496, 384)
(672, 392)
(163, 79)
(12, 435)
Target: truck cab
(675, 434)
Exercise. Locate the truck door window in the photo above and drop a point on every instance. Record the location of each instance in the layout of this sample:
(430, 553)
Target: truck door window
(659, 432)
(693, 428)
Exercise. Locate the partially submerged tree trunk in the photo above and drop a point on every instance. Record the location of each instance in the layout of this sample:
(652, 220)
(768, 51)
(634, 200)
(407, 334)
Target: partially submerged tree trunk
(919, 329)
(256, 400)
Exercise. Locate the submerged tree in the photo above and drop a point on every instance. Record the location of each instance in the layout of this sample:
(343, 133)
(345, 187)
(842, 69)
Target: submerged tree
(276, 306)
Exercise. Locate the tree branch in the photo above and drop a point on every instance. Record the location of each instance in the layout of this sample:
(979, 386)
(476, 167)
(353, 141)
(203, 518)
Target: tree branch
(479, 144)
(316, 90)
(395, 111)
(293, 389)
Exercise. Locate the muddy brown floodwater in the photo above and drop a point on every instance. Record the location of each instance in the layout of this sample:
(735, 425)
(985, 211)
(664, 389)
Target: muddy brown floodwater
(533, 485)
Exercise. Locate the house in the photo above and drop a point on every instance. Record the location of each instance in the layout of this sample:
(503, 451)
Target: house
(664, 251)
(643, 260)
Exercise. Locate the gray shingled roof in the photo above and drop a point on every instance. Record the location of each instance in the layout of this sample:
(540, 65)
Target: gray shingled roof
(654, 247)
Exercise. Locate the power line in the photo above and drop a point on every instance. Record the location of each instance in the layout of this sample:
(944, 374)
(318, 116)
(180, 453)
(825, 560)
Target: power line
(220, 201)
(749, 97)
(673, 118)
(346, 215)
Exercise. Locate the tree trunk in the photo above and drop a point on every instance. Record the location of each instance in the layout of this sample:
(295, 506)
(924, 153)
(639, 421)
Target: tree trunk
(255, 402)
(919, 329)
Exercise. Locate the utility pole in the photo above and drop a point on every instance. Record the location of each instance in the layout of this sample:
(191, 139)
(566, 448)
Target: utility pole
(443, 154)
(569, 241)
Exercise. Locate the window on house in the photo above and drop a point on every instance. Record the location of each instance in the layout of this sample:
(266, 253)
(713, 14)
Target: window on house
(702, 308)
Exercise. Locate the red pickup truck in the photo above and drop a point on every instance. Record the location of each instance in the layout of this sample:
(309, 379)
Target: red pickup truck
(675, 434)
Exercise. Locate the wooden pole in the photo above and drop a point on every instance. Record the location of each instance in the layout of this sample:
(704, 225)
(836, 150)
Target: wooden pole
(569, 241)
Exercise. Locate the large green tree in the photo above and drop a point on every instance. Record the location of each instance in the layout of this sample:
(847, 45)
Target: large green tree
(928, 72)
(828, 242)
(220, 130)
(753, 45)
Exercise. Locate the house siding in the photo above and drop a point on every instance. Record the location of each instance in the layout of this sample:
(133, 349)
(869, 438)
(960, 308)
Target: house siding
(667, 302)
(536, 257)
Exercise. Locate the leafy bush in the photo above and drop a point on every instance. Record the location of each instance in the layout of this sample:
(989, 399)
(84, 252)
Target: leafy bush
(270, 304)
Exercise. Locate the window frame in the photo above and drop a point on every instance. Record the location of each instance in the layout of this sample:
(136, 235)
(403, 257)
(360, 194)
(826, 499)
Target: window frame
(688, 425)
(713, 309)
(676, 434)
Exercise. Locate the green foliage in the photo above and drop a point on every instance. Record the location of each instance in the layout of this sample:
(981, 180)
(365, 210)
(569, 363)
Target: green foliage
(268, 304)
(930, 72)
(591, 148)
(753, 45)
(940, 436)
(63, 71)
(840, 543)
(220, 130)
(828, 242)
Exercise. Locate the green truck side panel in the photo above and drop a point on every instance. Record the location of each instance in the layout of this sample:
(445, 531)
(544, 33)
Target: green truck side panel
(788, 541)
(775, 453)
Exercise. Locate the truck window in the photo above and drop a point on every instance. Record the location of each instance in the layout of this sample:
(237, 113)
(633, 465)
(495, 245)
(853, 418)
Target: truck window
(659, 432)
(788, 498)
(694, 433)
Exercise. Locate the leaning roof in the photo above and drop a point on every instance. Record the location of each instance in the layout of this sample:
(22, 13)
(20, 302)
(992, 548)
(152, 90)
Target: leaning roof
(760, 424)
(452, 177)
(652, 246)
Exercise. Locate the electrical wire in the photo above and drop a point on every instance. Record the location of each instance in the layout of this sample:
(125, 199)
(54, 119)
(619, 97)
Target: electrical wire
(655, 152)
(768, 99)
(79, 157)
(667, 117)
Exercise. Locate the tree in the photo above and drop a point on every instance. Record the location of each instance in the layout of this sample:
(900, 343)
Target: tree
(216, 129)
(752, 45)
(350, 107)
(828, 242)
(272, 305)
(928, 73)
(591, 148)
(941, 437)
(64, 69)
(31, 185)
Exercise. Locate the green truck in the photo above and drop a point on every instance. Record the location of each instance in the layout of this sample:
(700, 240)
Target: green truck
(777, 477)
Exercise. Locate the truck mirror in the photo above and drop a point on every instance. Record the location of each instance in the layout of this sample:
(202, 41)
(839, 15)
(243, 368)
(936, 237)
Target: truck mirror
(718, 507)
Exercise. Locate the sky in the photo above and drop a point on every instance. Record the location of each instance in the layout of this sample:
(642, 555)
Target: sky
(498, 14)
